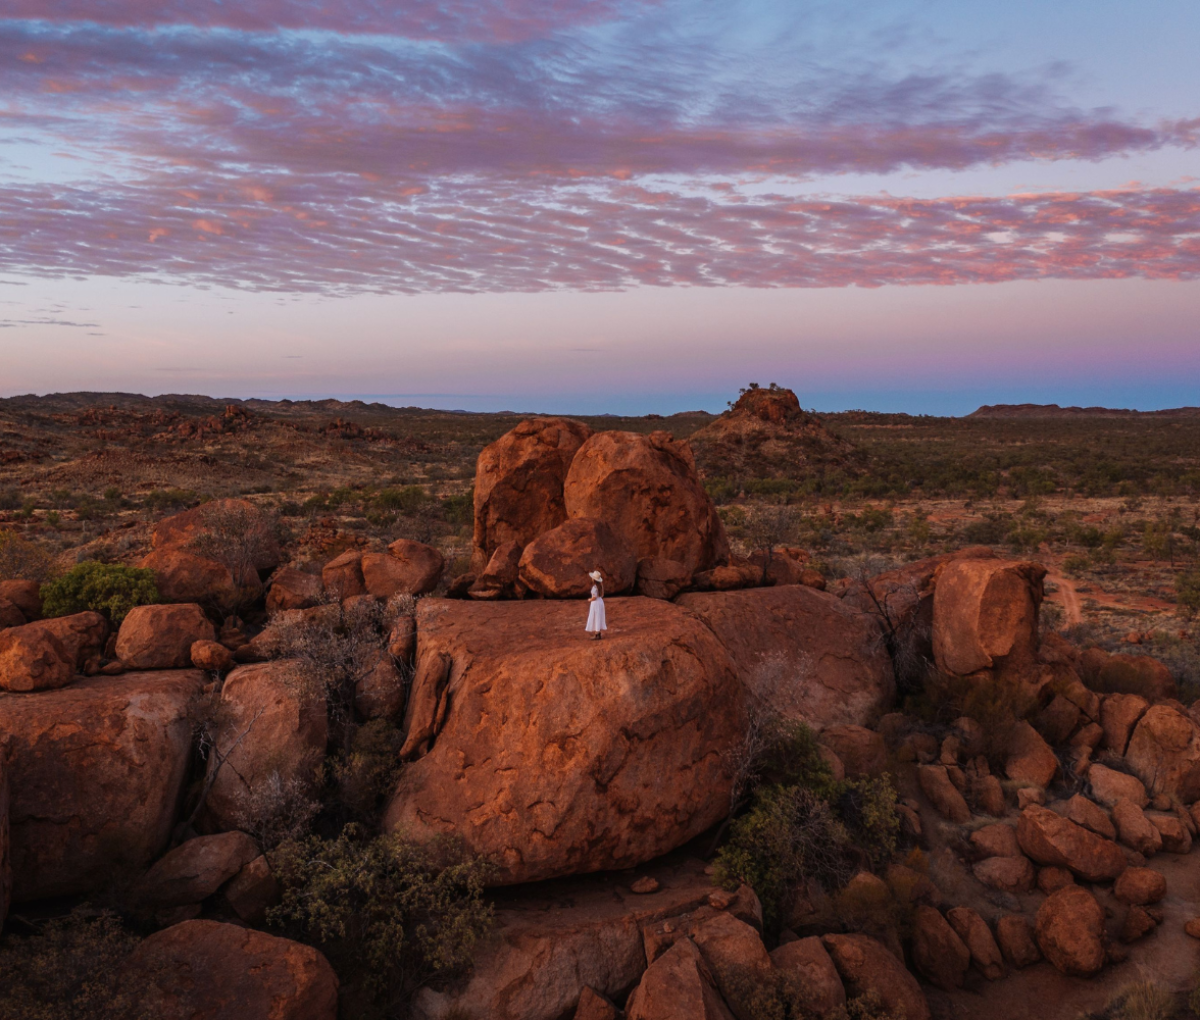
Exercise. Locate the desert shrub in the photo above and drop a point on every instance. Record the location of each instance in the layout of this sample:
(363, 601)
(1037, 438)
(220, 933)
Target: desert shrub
(788, 835)
(68, 969)
(22, 560)
(334, 652)
(10, 499)
(997, 705)
(867, 807)
(406, 500)
(278, 809)
(764, 995)
(366, 772)
(169, 499)
(237, 536)
(390, 914)
(864, 1007)
(108, 588)
(1142, 1000)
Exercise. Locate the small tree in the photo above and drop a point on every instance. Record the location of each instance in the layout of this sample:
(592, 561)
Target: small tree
(238, 536)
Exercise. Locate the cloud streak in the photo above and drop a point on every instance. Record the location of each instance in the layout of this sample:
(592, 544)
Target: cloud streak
(434, 146)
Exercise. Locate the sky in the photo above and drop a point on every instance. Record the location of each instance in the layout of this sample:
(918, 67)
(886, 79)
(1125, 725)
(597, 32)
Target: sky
(603, 205)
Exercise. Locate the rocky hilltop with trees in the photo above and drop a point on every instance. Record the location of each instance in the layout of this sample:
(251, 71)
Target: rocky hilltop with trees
(248, 776)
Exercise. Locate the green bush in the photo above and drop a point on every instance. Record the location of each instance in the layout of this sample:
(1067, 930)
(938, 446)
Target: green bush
(390, 914)
(68, 969)
(109, 588)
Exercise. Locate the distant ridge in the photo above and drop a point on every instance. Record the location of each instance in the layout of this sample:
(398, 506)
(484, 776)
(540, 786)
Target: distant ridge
(1055, 411)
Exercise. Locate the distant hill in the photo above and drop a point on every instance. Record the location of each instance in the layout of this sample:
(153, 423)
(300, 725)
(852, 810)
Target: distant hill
(1055, 411)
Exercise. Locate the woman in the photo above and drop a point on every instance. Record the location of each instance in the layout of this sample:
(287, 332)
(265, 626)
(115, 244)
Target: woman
(596, 624)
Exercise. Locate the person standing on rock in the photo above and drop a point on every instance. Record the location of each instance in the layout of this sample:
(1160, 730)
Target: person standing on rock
(596, 624)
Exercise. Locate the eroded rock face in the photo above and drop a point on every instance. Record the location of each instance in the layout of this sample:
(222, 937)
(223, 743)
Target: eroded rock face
(865, 965)
(1164, 751)
(1119, 714)
(82, 635)
(646, 489)
(161, 637)
(985, 615)
(558, 755)
(97, 771)
(814, 657)
(1070, 931)
(519, 484)
(556, 564)
(216, 971)
(273, 731)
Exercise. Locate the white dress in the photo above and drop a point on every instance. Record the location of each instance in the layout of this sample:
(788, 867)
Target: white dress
(596, 622)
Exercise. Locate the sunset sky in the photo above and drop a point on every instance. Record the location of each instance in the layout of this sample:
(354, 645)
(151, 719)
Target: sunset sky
(603, 205)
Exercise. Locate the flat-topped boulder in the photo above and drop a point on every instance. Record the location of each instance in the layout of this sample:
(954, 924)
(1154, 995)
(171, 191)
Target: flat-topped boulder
(561, 755)
(97, 771)
(826, 661)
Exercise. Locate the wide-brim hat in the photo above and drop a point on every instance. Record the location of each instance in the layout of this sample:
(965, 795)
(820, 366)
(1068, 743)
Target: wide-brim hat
(595, 575)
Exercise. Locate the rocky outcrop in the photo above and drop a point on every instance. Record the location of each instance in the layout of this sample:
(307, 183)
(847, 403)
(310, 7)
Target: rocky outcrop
(978, 938)
(1119, 714)
(97, 771)
(557, 939)
(213, 553)
(519, 484)
(805, 651)
(1070, 931)
(10, 615)
(407, 568)
(1053, 840)
(556, 564)
(866, 965)
(1109, 786)
(33, 660)
(342, 576)
(252, 891)
(943, 794)
(985, 615)
(1030, 758)
(557, 755)
(161, 637)
(661, 579)
(195, 870)
(645, 488)
(272, 731)
(216, 971)
(809, 961)
(1164, 751)
(82, 635)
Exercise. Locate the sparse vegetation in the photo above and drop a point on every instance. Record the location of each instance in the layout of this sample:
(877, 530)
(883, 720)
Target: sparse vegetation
(111, 589)
(391, 914)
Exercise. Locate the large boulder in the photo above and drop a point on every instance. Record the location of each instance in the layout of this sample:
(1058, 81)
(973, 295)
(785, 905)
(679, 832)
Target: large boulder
(938, 952)
(557, 755)
(985, 614)
(1070, 931)
(519, 484)
(678, 984)
(195, 870)
(33, 660)
(216, 971)
(213, 554)
(646, 489)
(407, 568)
(25, 595)
(556, 564)
(1053, 840)
(342, 576)
(10, 615)
(292, 589)
(1119, 713)
(1164, 751)
(866, 965)
(161, 637)
(1030, 758)
(97, 772)
(82, 636)
(806, 652)
(978, 938)
(272, 733)
(810, 962)
(554, 940)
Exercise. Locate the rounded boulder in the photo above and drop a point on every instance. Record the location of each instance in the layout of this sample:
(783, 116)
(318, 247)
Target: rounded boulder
(556, 564)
